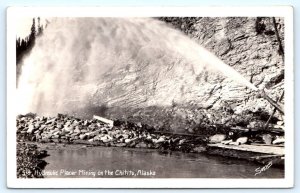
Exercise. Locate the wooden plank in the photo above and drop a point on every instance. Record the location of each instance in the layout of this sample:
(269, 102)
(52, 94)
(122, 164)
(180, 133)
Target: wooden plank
(273, 145)
(266, 156)
(181, 134)
(107, 121)
(252, 148)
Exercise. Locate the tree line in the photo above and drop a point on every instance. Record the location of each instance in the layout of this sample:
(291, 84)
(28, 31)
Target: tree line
(24, 45)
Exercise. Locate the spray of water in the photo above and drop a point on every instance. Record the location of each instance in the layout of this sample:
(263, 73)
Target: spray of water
(79, 61)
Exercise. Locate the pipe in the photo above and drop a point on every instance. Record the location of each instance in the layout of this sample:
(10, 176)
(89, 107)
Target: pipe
(267, 124)
(278, 106)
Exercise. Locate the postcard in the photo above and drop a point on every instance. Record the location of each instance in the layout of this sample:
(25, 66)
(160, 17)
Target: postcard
(150, 97)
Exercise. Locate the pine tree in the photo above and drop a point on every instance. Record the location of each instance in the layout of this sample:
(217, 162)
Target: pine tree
(33, 32)
(40, 28)
(24, 46)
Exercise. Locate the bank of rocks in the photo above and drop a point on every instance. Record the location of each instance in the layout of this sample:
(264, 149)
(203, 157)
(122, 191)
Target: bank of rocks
(66, 129)
(29, 160)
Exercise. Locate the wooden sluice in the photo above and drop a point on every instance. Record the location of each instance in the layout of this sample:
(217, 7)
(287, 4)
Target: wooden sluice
(260, 153)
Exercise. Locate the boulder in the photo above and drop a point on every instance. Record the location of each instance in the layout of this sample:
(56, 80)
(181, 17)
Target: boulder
(199, 149)
(160, 140)
(82, 136)
(56, 133)
(37, 125)
(30, 129)
(125, 136)
(242, 140)
(68, 123)
(120, 144)
(64, 131)
(55, 137)
(181, 141)
(149, 137)
(86, 123)
(267, 138)
(38, 137)
(278, 140)
(74, 134)
(77, 130)
(217, 138)
(141, 145)
(104, 130)
(94, 133)
(280, 123)
(106, 138)
(50, 121)
(97, 138)
(60, 126)
(69, 128)
(190, 130)
(42, 127)
(279, 126)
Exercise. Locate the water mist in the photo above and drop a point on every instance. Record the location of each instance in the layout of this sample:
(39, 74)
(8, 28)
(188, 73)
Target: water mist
(109, 61)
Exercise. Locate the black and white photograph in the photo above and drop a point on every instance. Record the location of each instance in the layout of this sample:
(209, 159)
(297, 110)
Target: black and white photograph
(182, 95)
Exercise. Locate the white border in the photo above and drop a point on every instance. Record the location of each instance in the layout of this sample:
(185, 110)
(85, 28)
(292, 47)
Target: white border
(13, 13)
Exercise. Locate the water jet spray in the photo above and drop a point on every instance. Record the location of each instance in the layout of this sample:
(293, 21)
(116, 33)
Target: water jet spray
(114, 62)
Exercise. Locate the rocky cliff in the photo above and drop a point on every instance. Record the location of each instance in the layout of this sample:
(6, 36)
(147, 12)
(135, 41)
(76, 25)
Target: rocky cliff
(249, 45)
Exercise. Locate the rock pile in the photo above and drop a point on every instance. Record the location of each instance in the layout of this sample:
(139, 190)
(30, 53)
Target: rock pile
(238, 136)
(66, 129)
(190, 119)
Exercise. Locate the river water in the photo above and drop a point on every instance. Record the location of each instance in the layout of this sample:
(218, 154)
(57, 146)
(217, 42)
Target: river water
(78, 161)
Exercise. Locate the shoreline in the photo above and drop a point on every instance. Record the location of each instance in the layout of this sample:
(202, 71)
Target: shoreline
(69, 130)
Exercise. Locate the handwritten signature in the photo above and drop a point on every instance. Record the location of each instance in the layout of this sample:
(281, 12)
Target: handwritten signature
(259, 170)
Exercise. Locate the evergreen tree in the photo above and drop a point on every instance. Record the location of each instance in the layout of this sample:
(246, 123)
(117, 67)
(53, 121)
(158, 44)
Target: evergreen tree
(33, 32)
(40, 28)
(24, 46)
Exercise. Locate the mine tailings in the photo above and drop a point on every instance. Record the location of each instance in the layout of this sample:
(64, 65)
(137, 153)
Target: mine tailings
(65, 130)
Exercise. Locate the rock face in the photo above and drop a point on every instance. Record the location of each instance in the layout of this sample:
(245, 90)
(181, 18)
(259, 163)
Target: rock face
(166, 93)
(249, 45)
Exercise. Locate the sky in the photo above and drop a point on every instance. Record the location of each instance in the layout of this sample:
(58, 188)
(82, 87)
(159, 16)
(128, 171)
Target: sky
(24, 25)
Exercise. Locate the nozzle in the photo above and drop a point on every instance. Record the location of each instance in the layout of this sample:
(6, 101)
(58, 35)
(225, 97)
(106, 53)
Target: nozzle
(262, 94)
